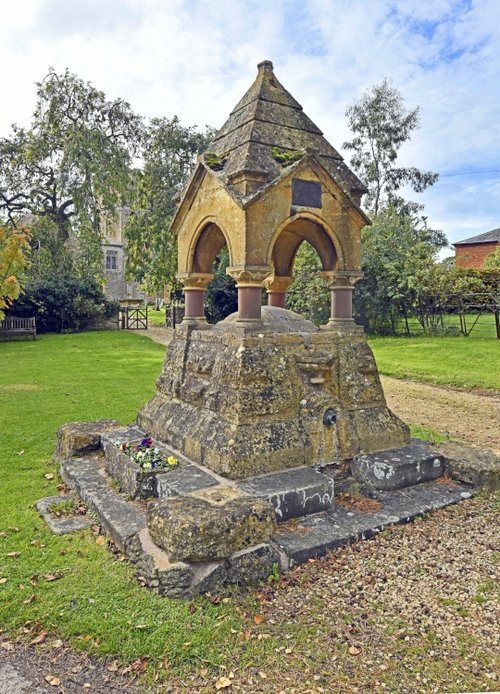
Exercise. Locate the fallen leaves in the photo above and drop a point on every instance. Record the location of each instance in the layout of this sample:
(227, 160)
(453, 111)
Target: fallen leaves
(353, 650)
(258, 619)
(39, 639)
(53, 577)
(14, 554)
(7, 646)
(49, 476)
(53, 680)
(101, 540)
(223, 683)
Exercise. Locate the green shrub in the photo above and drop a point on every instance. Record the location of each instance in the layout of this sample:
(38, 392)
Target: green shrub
(64, 304)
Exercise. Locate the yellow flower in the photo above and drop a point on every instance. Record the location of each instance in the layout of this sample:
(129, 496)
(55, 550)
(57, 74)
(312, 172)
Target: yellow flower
(172, 461)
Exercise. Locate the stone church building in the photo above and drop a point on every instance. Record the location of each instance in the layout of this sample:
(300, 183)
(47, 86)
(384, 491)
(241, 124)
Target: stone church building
(117, 287)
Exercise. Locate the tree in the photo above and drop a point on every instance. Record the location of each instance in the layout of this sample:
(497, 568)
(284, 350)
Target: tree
(400, 269)
(381, 125)
(14, 248)
(72, 165)
(309, 294)
(169, 155)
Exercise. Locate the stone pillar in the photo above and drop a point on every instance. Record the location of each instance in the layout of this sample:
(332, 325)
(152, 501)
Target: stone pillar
(276, 290)
(341, 284)
(195, 284)
(250, 281)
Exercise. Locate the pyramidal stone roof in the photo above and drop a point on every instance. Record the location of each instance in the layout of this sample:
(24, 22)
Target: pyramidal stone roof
(268, 117)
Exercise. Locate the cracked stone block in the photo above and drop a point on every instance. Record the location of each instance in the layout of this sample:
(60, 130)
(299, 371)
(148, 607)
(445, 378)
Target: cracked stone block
(292, 493)
(254, 565)
(399, 467)
(210, 577)
(79, 438)
(479, 467)
(210, 524)
(170, 579)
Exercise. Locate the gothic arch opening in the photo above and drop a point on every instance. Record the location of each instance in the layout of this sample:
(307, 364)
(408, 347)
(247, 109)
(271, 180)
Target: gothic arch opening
(208, 245)
(291, 237)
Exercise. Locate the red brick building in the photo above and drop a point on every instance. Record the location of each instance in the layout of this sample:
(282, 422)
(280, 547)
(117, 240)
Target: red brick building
(471, 253)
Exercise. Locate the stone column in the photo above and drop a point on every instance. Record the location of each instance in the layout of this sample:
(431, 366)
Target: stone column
(195, 284)
(341, 284)
(276, 290)
(250, 281)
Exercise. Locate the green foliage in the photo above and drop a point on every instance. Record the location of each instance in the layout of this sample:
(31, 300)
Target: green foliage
(66, 507)
(72, 165)
(64, 303)
(284, 157)
(309, 294)
(381, 125)
(14, 249)
(221, 297)
(400, 269)
(492, 261)
(169, 155)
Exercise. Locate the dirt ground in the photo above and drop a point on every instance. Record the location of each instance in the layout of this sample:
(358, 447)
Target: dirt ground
(466, 416)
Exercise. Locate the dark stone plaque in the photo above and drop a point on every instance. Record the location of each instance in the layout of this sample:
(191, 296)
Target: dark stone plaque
(306, 193)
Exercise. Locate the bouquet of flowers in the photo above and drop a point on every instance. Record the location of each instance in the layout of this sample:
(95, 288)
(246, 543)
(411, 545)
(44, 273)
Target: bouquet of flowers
(148, 456)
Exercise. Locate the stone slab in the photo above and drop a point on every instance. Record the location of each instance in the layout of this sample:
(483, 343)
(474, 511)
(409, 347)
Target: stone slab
(120, 520)
(292, 493)
(399, 467)
(61, 525)
(479, 467)
(314, 535)
(122, 435)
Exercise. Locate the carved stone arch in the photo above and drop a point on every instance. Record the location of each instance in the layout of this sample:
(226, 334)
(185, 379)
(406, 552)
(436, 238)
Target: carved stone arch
(207, 241)
(309, 227)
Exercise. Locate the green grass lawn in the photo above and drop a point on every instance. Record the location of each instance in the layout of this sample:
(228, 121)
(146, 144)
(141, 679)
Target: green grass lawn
(97, 603)
(156, 317)
(463, 362)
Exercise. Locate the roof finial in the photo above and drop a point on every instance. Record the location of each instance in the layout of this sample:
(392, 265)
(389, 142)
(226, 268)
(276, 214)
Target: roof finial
(265, 65)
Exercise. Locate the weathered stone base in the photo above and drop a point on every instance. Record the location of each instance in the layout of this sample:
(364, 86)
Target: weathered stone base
(245, 401)
(223, 533)
(401, 467)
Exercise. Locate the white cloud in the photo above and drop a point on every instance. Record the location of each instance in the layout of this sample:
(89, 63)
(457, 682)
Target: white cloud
(195, 58)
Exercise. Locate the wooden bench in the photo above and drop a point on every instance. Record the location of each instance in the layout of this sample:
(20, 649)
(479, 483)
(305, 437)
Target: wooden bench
(11, 326)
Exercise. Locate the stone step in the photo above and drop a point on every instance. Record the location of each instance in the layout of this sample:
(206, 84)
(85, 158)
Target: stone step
(120, 519)
(399, 467)
(186, 477)
(313, 536)
(292, 493)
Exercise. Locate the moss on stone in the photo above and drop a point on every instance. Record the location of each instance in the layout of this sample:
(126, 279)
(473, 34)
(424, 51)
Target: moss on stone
(286, 158)
(214, 161)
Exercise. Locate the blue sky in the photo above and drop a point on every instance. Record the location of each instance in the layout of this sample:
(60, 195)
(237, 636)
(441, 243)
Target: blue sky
(195, 58)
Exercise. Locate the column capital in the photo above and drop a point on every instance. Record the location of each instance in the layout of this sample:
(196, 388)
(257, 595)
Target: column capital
(277, 283)
(195, 280)
(339, 279)
(249, 275)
